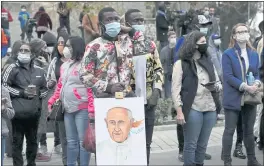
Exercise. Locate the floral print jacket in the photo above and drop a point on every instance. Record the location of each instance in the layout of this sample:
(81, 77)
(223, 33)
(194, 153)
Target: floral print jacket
(145, 46)
(101, 58)
(100, 62)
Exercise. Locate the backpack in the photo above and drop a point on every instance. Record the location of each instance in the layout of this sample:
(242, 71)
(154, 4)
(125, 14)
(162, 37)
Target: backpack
(4, 39)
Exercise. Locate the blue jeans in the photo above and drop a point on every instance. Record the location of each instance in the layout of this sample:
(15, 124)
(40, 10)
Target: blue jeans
(75, 125)
(2, 150)
(197, 131)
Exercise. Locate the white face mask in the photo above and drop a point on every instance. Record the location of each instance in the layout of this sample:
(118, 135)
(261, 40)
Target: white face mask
(67, 53)
(206, 13)
(23, 10)
(23, 58)
(50, 49)
(242, 38)
(217, 42)
(172, 42)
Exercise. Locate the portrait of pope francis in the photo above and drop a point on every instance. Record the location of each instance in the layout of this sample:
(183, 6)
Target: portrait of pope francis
(123, 147)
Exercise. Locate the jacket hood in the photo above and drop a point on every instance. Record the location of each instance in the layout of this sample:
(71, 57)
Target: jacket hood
(49, 38)
(36, 45)
(64, 34)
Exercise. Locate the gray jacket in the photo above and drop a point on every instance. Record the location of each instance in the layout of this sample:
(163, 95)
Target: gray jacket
(216, 57)
(8, 112)
(166, 59)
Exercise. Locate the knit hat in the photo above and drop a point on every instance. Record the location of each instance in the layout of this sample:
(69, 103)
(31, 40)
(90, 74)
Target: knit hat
(49, 38)
(36, 45)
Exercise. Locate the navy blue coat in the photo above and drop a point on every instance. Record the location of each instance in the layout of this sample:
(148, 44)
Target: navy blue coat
(232, 75)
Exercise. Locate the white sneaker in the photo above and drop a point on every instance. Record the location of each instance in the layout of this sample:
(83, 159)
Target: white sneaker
(43, 150)
(58, 149)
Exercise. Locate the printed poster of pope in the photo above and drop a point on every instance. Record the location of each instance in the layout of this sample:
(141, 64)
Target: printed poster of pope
(120, 131)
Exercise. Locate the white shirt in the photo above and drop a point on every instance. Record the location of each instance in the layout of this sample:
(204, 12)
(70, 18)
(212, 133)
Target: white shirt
(245, 56)
(109, 152)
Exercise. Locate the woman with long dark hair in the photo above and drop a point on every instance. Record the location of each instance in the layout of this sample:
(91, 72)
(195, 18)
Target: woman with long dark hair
(195, 93)
(73, 95)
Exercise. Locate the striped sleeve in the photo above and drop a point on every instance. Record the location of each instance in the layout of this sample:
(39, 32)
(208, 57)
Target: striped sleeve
(8, 79)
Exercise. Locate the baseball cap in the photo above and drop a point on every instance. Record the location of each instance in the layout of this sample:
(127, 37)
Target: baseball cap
(215, 36)
(203, 20)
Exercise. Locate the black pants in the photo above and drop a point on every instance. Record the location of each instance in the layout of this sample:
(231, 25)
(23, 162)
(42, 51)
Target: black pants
(248, 114)
(149, 124)
(239, 130)
(65, 21)
(43, 139)
(23, 33)
(29, 129)
(40, 33)
(180, 137)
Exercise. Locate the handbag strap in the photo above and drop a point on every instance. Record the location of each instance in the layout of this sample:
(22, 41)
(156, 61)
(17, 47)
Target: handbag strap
(241, 65)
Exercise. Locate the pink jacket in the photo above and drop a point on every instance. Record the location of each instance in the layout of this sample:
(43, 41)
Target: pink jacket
(75, 96)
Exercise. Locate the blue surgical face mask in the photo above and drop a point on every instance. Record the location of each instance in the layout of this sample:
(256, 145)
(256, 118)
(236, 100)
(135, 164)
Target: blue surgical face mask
(139, 27)
(112, 29)
(204, 30)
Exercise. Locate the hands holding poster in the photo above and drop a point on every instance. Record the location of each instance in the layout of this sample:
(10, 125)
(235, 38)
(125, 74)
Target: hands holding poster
(120, 131)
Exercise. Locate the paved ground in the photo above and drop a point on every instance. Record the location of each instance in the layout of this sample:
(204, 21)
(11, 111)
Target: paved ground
(164, 150)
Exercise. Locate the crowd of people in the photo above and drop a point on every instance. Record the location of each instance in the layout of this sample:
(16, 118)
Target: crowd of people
(115, 55)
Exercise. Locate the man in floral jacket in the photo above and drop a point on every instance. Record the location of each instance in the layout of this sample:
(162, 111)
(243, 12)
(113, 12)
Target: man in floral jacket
(107, 62)
(147, 77)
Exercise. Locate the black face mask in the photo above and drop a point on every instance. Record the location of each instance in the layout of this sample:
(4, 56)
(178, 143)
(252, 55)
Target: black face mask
(202, 48)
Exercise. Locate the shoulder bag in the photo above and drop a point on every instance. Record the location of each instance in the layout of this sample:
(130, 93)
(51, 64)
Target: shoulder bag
(248, 98)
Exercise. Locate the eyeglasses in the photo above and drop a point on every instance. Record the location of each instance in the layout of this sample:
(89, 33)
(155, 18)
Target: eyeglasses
(242, 32)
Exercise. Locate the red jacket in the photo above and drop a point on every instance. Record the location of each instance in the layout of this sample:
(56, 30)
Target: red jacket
(43, 19)
(6, 13)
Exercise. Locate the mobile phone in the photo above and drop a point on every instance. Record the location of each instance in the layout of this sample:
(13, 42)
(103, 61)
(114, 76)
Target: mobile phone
(32, 89)
(209, 83)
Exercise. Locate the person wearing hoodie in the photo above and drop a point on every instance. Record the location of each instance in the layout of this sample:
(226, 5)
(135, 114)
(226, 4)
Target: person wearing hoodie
(7, 113)
(51, 42)
(40, 52)
(53, 76)
(162, 26)
(74, 97)
(23, 17)
(43, 21)
(26, 95)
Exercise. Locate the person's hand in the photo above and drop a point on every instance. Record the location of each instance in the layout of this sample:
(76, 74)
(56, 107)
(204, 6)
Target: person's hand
(4, 104)
(49, 109)
(154, 98)
(97, 34)
(180, 118)
(251, 89)
(118, 87)
(28, 95)
(51, 84)
(125, 29)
